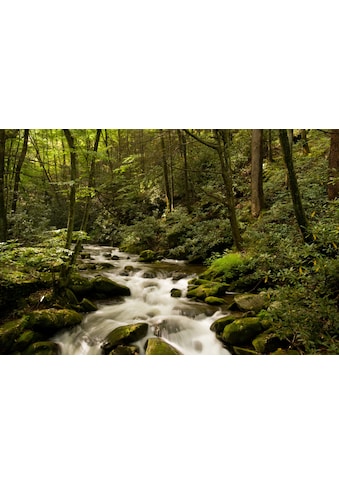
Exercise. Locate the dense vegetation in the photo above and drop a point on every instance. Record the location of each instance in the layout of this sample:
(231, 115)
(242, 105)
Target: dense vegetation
(184, 194)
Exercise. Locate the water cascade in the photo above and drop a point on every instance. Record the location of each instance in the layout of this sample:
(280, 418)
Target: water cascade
(182, 323)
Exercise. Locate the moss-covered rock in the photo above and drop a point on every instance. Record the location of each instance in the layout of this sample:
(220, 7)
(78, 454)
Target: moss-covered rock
(48, 322)
(242, 351)
(176, 293)
(25, 339)
(124, 335)
(97, 288)
(148, 256)
(43, 348)
(267, 342)
(87, 306)
(125, 350)
(206, 290)
(157, 346)
(9, 333)
(250, 302)
(219, 324)
(214, 300)
(242, 331)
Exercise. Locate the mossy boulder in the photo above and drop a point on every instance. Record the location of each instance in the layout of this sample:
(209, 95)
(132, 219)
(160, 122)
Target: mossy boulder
(242, 331)
(87, 306)
(214, 300)
(243, 351)
(124, 335)
(219, 324)
(148, 256)
(267, 342)
(157, 346)
(125, 350)
(176, 293)
(25, 339)
(43, 348)
(250, 302)
(206, 290)
(97, 288)
(48, 322)
(9, 333)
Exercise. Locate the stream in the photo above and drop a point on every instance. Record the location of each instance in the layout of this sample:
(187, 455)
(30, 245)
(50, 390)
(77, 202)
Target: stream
(183, 323)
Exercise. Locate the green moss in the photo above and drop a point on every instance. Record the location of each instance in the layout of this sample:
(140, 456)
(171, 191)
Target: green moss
(43, 348)
(219, 324)
(214, 300)
(225, 268)
(242, 331)
(124, 335)
(157, 346)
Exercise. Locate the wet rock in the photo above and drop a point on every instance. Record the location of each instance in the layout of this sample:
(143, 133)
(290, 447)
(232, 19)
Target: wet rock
(124, 335)
(205, 290)
(178, 276)
(43, 348)
(176, 293)
(219, 324)
(27, 338)
(87, 306)
(242, 351)
(267, 342)
(148, 275)
(102, 287)
(125, 350)
(157, 346)
(214, 300)
(9, 333)
(250, 302)
(242, 331)
(148, 256)
(48, 322)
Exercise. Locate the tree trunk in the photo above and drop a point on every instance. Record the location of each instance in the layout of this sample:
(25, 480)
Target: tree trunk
(3, 211)
(223, 146)
(257, 192)
(306, 148)
(269, 146)
(71, 209)
(165, 172)
(90, 181)
(183, 151)
(333, 167)
(18, 171)
(294, 188)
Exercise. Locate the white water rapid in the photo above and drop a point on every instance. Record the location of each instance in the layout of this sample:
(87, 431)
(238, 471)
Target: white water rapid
(183, 323)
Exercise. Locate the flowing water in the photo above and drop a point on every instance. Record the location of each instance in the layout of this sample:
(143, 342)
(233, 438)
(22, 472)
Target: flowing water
(181, 322)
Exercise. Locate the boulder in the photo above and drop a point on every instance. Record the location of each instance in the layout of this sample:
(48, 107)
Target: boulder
(157, 346)
(204, 290)
(103, 287)
(125, 350)
(124, 335)
(176, 293)
(242, 351)
(250, 302)
(267, 342)
(214, 300)
(48, 322)
(87, 306)
(148, 256)
(219, 324)
(27, 338)
(242, 331)
(43, 348)
(9, 333)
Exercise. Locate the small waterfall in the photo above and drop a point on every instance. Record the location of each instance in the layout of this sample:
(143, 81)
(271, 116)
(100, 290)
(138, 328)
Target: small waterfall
(183, 323)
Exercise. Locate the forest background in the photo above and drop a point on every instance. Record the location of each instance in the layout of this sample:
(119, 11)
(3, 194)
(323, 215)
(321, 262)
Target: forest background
(217, 80)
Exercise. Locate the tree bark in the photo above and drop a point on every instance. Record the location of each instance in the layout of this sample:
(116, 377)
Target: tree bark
(183, 151)
(72, 191)
(294, 188)
(3, 211)
(18, 171)
(223, 146)
(257, 192)
(333, 167)
(165, 173)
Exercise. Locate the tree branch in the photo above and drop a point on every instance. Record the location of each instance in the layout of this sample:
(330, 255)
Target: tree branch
(200, 140)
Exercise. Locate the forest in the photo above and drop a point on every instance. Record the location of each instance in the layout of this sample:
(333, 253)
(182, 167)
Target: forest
(253, 212)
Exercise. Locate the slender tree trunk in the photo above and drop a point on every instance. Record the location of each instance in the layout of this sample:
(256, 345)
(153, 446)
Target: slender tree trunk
(18, 171)
(183, 150)
(3, 211)
(165, 172)
(306, 148)
(91, 179)
(333, 167)
(269, 146)
(257, 192)
(223, 143)
(72, 191)
(294, 188)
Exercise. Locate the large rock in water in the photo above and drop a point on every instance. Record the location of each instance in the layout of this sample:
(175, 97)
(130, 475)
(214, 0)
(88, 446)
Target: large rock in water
(250, 302)
(48, 322)
(43, 348)
(124, 335)
(157, 346)
(97, 288)
(242, 331)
